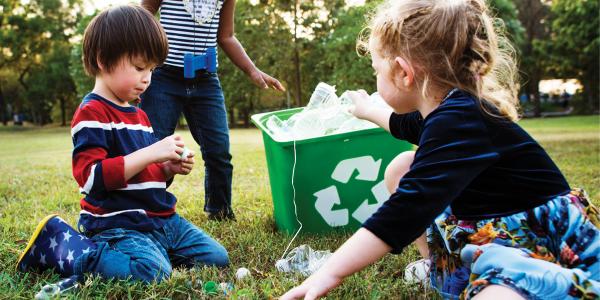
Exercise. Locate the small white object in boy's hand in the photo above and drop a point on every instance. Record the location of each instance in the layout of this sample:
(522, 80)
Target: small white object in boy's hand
(186, 152)
(241, 273)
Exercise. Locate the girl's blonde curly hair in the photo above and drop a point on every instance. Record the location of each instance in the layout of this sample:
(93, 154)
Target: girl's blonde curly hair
(449, 43)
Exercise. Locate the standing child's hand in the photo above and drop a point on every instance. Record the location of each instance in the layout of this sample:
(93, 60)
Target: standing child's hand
(362, 105)
(169, 148)
(180, 166)
(264, 80)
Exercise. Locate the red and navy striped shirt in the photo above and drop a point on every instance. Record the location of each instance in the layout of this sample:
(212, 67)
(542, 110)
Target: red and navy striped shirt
(103, 133)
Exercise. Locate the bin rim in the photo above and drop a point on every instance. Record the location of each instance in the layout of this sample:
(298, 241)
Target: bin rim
(259, 121)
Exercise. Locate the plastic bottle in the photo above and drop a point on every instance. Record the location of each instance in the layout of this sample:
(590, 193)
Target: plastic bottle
(302, 259)
(323, 96)
(52, 290)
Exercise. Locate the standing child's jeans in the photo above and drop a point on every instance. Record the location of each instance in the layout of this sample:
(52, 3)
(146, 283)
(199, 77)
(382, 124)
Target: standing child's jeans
(203, 105)
(150, 256)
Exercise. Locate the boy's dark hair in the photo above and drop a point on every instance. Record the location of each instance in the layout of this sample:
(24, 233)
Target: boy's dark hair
(127, 30)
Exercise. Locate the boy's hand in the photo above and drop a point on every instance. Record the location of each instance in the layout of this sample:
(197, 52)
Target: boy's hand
(169, 148)
(180, 166)
(362, 105)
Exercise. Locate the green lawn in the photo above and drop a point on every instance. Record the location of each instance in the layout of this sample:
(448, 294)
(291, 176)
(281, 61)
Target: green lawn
(35, 180)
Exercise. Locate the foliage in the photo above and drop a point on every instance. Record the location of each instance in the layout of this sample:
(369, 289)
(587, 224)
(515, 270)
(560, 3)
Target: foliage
(300, 42)
(506, 11)
(533, 15)
(339, 63)
(83, 83)
(575, 45)
(35, 36)
(253, 23)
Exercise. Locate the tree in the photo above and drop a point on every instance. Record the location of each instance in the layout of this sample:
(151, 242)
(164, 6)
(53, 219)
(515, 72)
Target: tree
(507, 12)
(338, 61)
(267, 39)
(533, 14)
(83, 83)
(311, 20)
(574, 45)
(34, 35)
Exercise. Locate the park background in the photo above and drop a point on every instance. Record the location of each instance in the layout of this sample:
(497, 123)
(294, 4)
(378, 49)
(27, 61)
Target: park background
(301, 43)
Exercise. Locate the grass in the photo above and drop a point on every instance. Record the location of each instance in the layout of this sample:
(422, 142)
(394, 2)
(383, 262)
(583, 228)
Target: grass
(35, 180)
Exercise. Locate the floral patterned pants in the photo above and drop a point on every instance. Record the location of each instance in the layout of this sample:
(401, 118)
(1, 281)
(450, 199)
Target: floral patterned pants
(549, 252)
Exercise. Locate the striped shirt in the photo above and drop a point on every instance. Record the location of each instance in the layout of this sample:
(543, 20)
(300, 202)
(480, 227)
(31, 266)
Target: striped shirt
(186, 35)
(103, 133)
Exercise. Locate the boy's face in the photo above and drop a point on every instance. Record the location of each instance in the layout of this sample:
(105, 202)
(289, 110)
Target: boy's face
(389, 85)
(129, 78)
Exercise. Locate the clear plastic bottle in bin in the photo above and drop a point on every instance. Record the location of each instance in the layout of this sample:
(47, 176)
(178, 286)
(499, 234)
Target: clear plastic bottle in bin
(323, 96)
(307, 124)
(280, 129)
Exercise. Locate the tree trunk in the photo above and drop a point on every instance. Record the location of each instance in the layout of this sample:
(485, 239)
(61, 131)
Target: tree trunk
(34, 116)
(297, 57)
(533, 90)
(246, 117)
(531, 13)
(63, 111)
(591, 87)
(3, 108)
(231, 113)
(591, 95)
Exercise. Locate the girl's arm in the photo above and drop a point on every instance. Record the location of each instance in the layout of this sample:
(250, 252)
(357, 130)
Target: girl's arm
(151, 5)
(234, 50)
(361, 250)
(364, 109)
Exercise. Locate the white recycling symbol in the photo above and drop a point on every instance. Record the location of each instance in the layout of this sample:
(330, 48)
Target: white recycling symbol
(368, 169)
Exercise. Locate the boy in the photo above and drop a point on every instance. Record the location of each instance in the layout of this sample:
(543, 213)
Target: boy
(122, 169)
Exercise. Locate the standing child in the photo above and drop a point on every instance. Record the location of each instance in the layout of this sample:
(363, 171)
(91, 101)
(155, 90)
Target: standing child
(514, 228)
(194, 26)
(122, 169)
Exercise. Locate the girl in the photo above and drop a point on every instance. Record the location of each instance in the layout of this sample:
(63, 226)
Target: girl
(503, 220)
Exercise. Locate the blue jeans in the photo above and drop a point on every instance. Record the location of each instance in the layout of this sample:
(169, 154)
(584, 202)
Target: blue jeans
(150, 256)
(203, 105)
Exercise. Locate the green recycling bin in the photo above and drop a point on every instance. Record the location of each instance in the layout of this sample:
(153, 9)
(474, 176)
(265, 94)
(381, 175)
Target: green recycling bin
(337, 179)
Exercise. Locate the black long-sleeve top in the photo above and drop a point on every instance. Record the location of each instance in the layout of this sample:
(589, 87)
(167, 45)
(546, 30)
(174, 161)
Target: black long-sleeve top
(480, 165)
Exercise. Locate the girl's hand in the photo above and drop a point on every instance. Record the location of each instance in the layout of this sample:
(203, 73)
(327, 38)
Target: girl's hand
(314, 287)
(180, 166)
(263, 80)
(362, 105)
(169, 148)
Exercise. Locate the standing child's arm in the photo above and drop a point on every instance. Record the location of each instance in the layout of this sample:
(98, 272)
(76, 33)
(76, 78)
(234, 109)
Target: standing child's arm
(361, 250)
(234, 50)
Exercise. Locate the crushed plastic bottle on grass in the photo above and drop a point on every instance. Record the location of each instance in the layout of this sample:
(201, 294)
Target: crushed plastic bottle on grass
(54, 290)
(303, 259)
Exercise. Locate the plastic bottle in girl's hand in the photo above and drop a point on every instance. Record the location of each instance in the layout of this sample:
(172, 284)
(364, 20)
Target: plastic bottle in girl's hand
(323, 96)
